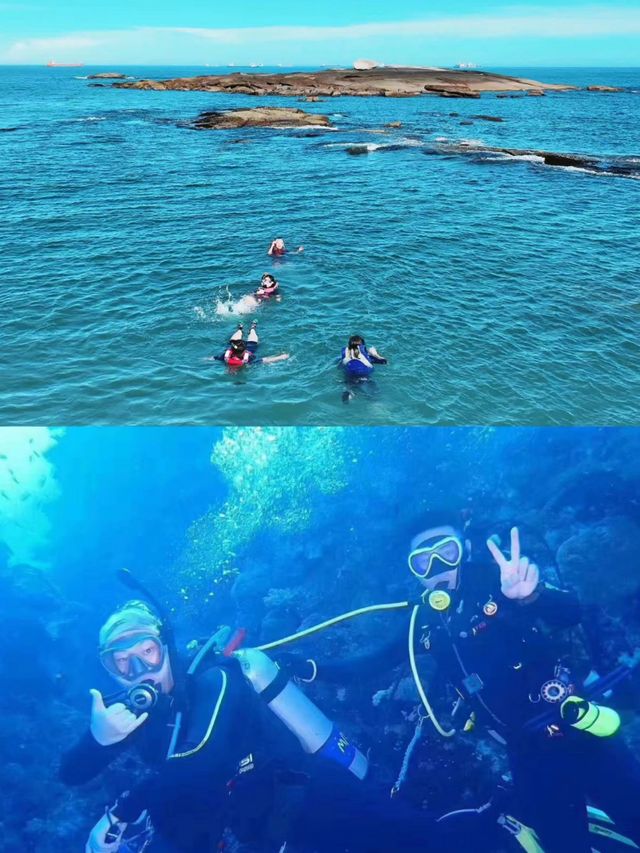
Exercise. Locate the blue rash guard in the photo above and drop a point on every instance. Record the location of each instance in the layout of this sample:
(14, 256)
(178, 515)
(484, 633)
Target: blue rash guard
(361, 366)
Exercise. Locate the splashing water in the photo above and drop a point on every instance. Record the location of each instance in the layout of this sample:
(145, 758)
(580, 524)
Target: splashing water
(264, 468)
(229, 307)
(27, 485)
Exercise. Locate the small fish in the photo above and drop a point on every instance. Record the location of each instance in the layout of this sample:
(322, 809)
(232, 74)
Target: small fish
(13, 477)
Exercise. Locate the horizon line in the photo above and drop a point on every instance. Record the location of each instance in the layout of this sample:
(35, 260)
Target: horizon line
(284, 67)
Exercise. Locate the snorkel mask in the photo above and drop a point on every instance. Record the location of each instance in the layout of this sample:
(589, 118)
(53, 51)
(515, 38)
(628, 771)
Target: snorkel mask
(134, 656)
(133, 647)
(435, 554)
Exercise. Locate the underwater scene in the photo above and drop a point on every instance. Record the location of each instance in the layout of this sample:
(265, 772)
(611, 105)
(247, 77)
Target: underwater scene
(319, 639)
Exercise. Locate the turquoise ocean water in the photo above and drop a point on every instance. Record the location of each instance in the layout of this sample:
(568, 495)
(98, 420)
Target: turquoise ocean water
(501, 290)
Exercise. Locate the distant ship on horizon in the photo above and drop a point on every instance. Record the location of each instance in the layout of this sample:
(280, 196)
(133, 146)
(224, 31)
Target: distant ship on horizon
(52, 64)
(462, 65)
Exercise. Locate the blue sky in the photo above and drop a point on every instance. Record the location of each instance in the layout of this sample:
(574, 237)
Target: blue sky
(300, 32)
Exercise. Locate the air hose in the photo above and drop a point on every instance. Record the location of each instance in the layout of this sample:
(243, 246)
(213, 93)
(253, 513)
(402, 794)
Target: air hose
(416, 678)
(374, 608)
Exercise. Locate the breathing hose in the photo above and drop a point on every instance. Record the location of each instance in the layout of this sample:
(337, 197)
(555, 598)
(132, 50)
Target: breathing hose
(374, 608)
(416, 678)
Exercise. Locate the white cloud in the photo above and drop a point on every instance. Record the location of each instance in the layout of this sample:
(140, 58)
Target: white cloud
(147, 44)
(59, 44)
(583, 22)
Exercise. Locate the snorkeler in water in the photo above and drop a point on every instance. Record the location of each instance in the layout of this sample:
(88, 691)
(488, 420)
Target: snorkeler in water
(278, 249)
(356, 361)
(269, 289)
(241, 352)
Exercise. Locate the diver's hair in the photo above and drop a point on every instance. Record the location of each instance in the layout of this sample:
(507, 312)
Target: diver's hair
(270, 277)
(134, 616)
(355, 342)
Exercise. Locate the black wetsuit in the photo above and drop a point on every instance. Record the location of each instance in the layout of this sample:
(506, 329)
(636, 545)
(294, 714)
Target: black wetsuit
(498, 664)
(316, 805)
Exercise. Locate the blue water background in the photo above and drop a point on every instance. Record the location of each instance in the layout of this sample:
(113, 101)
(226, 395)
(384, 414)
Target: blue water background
(501, 291)
(275, 530)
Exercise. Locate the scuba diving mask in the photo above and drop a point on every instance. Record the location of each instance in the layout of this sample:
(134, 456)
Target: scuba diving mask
(447, 550)
(133, 657)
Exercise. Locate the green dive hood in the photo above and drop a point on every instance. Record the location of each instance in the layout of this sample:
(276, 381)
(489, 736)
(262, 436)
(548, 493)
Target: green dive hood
(588, 717)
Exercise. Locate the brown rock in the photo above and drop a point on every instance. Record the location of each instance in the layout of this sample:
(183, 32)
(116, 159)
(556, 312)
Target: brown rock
(394, 124)
(390, 82)
(107, 75)
(459, 93)
(604, 89)
(535, 93)
(259, 117)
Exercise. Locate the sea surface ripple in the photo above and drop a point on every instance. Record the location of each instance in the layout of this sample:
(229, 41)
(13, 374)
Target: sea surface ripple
(502, 290)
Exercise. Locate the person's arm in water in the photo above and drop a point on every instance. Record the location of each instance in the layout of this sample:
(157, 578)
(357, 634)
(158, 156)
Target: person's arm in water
(520, 583)
(109, 734)
(375, 356)
(271, 359)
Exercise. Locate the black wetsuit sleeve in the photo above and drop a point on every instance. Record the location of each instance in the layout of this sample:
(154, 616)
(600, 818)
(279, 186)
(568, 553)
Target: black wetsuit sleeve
(87, 759)
(558, 608)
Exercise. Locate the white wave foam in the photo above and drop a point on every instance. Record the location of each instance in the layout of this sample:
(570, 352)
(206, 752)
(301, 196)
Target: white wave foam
(200, 313)
(229, 307)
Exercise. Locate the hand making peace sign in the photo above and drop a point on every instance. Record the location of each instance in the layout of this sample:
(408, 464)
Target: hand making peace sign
(518, 577)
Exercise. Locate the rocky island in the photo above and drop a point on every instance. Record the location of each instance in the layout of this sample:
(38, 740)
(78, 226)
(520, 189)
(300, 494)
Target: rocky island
(258, 117)
(380, 81)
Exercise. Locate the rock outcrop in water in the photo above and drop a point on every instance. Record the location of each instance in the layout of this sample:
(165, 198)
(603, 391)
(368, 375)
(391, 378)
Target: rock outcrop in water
(386, 82)
(621, 166)
(624, 166)
(258, 117)
(107, 75)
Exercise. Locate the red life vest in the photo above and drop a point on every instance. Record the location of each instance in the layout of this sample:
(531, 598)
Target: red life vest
(234, 360)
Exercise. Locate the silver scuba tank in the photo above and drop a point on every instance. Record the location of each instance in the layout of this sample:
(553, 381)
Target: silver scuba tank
(316, 733)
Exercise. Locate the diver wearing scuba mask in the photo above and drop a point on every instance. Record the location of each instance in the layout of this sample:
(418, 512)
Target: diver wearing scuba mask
(488, 621)
(192, 735)
(206, 735)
